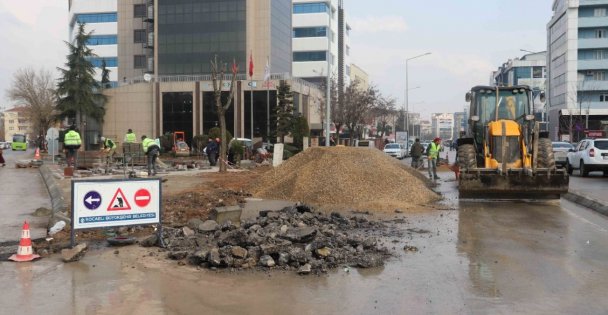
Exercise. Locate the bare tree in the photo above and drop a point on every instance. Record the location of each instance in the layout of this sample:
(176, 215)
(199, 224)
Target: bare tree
(581, 95)
(36, 91)
(384, 111)
(218, 72)
(357, 104)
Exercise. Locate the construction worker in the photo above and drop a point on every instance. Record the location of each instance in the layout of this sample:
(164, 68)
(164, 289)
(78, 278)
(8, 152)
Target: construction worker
(71, 142)
(130, 137)
(433, 155)
(416, 153)
(151, 150)
(109, 147)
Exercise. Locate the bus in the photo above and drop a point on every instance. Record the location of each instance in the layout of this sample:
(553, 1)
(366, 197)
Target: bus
(19, 142)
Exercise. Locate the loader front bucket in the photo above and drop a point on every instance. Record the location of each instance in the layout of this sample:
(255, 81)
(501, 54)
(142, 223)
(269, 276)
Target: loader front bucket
(514, 184)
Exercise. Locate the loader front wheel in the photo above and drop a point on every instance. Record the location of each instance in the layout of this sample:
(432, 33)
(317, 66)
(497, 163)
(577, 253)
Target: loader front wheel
(545, 154)
(466, 157)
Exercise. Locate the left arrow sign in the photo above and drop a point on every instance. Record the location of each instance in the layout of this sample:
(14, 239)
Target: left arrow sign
(92, 200)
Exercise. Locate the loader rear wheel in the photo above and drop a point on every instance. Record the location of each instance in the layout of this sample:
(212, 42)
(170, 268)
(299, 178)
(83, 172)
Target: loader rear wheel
(466, 157)
(545, 154)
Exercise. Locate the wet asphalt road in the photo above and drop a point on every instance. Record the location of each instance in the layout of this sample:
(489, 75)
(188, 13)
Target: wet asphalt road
(21, 192)
(473, 258)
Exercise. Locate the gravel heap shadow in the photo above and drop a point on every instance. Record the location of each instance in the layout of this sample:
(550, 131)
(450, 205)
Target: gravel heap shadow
(295, 238)
(346, 178)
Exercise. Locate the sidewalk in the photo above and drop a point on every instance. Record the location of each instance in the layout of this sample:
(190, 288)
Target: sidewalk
(591, 192)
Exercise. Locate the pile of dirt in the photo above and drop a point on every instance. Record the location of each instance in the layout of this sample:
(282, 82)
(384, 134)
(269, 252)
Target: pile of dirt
(346, 178)
(296, 238)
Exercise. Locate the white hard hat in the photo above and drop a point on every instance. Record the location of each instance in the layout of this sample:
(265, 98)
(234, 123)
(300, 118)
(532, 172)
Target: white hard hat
(103, 138)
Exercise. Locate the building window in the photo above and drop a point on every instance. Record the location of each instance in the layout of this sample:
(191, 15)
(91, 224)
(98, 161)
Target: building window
(139, 61)
(97, 17)
(315, 7)
(139, 10)
(309, 56)
(599, 12)
(601, 54)
(348, 71)
(139, 36)
(95, 40)
(603, 97)
(537, 72)
(333, 36)
(310, 32)
(11, 128)
(11, 121)
(110, 61)
(600, 33)
(347, 50)
(599, 76)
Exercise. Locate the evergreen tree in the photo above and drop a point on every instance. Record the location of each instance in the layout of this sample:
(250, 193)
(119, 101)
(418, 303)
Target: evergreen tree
(79, 93)
(105, 76)
(299, 130)
(284, 110)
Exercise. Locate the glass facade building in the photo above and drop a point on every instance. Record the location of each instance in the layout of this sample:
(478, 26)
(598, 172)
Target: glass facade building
(192, 32)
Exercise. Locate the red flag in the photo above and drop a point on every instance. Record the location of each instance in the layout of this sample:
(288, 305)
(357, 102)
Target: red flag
(235, 68)
(251, 65)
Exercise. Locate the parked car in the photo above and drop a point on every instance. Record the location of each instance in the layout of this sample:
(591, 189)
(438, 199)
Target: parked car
(560, 152)
(396, 150)
(589, 155)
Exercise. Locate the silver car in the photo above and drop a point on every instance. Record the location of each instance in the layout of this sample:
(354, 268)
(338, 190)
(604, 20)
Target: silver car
(560, 152)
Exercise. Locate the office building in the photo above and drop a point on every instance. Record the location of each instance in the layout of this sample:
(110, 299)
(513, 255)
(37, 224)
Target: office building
(15, 122)
(577, 63)
(101, 18)
(315, 23)
(442, 125)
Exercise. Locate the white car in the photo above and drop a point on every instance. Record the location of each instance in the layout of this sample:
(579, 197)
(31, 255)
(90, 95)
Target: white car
(590, 155)
(396, 150)
(560, 152)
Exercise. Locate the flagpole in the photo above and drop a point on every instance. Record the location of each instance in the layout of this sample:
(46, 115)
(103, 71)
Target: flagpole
(268, 100)
(251, 91)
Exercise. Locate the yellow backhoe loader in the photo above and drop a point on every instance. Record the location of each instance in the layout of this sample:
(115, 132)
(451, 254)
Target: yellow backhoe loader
(504, 154)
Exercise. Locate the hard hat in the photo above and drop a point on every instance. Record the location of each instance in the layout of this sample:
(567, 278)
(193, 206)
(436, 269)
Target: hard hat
(437, 139)
(103, 138)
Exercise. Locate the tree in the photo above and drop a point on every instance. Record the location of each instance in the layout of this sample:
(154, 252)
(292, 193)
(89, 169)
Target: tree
(299, 130)
(384, 112)
(284, 110)
(105, 76)
(36, 91)
(217, 75)
(79, 92)
(581, 94)
(357, 104)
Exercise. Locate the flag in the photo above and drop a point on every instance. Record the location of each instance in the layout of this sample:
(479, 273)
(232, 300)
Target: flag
(267, 70)
(251, 65)
(235, 68)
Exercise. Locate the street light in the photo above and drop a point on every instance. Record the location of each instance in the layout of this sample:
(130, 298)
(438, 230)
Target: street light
(404, 119)
(407, 123)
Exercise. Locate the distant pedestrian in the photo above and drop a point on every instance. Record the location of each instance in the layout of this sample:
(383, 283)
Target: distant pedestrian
(151, 150)
(416, 153)
(72, 142)
(432, 152)
(211, 151)
(2, 159)
(217, 149)
(130, 137)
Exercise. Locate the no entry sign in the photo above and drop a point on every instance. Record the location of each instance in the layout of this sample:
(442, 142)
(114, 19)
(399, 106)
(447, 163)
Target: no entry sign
(142, 197)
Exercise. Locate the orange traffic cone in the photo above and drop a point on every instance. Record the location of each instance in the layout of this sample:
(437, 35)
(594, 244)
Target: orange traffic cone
(24, 252)
(37, 154)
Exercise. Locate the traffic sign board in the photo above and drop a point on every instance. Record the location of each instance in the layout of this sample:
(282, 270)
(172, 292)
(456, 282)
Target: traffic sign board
(92, 200)
(142, 197)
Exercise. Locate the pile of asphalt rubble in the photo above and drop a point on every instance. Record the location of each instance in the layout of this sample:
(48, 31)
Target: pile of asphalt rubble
(295, 238)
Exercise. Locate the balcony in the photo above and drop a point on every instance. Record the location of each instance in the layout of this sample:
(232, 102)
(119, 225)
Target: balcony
(585, 22)
(593, 85)
(591, 43)
(592, 64)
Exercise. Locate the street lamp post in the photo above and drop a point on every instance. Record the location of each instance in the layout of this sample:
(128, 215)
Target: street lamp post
(328, 101)
(407, 123)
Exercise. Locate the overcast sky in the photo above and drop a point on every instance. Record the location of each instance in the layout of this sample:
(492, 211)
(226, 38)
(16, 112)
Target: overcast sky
(467, 38)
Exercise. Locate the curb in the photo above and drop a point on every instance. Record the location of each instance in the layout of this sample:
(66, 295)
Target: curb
(59, 207)
(587, 201)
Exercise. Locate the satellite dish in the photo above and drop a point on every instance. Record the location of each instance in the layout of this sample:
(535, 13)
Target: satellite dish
(147, 77)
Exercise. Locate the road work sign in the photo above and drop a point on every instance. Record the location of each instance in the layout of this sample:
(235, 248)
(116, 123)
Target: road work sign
(111, 203)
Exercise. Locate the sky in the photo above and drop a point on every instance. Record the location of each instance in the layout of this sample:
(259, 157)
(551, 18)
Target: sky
(467, 40)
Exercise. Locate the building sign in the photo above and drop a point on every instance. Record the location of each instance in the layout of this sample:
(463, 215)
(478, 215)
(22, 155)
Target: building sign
(111, 203)
(594, 133)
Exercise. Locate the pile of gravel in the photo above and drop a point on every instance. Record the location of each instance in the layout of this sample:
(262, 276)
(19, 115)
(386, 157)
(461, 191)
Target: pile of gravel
(346, 178)
(296, 238)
